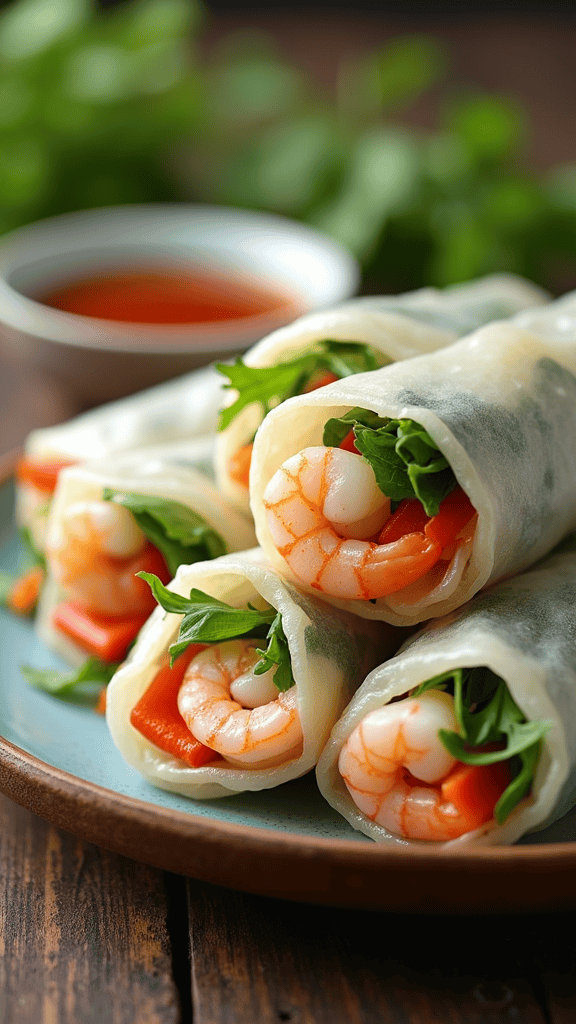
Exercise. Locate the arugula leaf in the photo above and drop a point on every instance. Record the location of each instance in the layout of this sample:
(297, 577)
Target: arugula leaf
(406, 461)
(487, 714)
(61, 684)
(277, 653)
(269, 385)
(208, 620)
(181, 535)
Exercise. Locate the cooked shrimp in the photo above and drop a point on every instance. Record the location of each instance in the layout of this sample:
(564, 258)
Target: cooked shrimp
(237, 713)
(389, 752)
(321, 506)
(95, 555)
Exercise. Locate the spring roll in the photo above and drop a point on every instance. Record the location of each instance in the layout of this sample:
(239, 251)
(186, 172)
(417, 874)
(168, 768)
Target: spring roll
(250, 731)
(149, 510)
(468, 473)
(180, 409)
(358, 335)
(509, 657)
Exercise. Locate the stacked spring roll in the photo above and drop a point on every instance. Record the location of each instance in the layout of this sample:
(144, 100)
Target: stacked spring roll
(181, 409)
(402, 766)
(359, 335)
(468, 475)
(213, 724)
(149, 510)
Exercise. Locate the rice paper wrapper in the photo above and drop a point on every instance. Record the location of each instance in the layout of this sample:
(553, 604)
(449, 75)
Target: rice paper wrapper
(500, 405)
(170, 471)
(328, 652)
(177, 410)
(398, 327)
(524, 630)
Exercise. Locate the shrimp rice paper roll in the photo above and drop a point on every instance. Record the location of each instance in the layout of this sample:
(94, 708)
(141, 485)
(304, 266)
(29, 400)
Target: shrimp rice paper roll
(399, 494)
(216, 723)
(357, 336)
(149, 510)
(468, 735)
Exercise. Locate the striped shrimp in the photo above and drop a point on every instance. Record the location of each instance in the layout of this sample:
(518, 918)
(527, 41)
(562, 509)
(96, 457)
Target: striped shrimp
(325, 513)
(240, 715)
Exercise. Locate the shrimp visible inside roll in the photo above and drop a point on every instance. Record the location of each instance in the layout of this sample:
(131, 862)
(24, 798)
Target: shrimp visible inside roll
(400, 775)
(332, 524)
(237, 713)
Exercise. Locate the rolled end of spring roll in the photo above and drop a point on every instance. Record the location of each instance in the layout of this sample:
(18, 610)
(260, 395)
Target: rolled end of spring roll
(99, 536)
(524, 632)
(393, 328)
(180, 409)
(494, 411)
(247, 749)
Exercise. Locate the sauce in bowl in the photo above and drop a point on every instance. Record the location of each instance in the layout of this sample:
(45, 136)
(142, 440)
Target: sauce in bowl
(168, 296)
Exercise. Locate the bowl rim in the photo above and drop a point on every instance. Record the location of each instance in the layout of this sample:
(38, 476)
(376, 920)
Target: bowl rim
(26, 315)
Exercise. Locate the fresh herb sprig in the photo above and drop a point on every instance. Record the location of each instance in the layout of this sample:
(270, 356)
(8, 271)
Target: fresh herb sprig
(406, 461)
(63, 684)
(270, 385)
(210, 621)
(31, 558)
(487, 714)
(181, 535)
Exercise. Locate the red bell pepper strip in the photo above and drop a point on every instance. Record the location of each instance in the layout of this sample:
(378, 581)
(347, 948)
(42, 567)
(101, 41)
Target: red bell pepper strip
(99, 635)
(42, 475)
(156, 714)
(475, 790)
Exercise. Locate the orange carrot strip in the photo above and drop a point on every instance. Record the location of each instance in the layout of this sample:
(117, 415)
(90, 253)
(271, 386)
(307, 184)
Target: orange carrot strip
(23, 595)
(105, 638)
(475, 789)
(239, 465)
(42, 475)
(156, 714)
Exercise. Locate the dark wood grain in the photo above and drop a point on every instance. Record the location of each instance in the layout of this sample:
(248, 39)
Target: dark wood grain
(262, 960)
(83, 933)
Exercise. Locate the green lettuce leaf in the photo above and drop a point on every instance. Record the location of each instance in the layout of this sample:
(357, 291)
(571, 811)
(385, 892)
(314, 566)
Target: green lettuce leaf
(487, 714)
(406, 461)
(270, 385)
(206, 620)
(181, 535)
(62, 684)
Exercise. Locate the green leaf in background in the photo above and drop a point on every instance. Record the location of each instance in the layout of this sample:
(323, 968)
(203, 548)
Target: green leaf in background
(250, 83)
(31, 26)
(392, 76)
(493, 127)
(181, 535)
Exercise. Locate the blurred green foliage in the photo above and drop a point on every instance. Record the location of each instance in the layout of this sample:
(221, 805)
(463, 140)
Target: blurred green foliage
(103, 107)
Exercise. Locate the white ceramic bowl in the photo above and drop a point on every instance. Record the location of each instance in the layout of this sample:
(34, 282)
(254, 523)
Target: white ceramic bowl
(105, 359)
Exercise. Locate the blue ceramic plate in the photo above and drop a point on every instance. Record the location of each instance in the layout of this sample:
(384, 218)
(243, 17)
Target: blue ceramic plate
(57, 758)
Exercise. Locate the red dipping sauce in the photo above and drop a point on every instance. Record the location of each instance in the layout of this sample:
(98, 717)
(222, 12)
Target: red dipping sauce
(168, 296)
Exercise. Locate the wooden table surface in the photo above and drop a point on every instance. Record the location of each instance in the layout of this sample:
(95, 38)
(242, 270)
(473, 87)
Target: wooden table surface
(89, 936)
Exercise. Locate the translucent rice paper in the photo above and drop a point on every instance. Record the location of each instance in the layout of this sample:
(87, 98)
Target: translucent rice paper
(179, 409)
(523, 630)
(500, 404)
(170, 471)
(328, 652)
(398, 327)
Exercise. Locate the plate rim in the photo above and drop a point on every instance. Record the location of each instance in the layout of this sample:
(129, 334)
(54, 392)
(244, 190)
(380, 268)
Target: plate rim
(288, 865)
